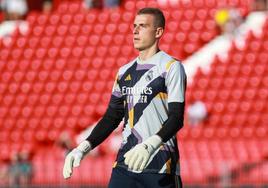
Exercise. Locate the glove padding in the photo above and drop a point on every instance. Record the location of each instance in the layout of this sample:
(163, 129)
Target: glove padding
(74, 158)
(137, 158)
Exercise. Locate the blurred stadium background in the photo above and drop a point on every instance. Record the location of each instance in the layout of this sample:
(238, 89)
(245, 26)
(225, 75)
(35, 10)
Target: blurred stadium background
(57, 69)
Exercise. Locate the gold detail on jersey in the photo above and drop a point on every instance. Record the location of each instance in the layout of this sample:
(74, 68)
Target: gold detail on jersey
(128, 78)
(116, 76)
(161, 95)
(131, 118)
(169, 64)
(168, 164)
(115, 163)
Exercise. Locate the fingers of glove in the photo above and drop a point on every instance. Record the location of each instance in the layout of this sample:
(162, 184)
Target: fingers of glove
(68, 166)
(143, 164)
(133, 159)
(77, 159)
(128, 156)
(137, 163)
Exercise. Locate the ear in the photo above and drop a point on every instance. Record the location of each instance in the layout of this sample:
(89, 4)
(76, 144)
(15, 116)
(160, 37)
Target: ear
(159, 32)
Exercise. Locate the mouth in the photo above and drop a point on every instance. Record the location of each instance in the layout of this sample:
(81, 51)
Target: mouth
(136, 39)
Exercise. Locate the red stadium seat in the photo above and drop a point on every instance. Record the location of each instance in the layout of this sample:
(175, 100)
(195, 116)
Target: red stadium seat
(79, 18)
(42, 19)
(33, 124)
(82, 40)
(115, 16)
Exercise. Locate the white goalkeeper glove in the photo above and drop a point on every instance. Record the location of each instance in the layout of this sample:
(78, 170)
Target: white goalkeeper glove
(74, 157)
(137, 158)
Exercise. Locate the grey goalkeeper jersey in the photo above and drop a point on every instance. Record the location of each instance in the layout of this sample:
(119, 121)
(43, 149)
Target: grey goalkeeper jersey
(144, 89)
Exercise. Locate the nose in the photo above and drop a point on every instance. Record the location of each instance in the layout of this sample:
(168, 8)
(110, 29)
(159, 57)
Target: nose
(136, 30)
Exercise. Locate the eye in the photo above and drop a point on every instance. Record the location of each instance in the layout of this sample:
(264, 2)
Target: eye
(142, 25)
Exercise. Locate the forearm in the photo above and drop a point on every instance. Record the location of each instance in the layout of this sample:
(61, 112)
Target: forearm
(105, 126)
(174, 122)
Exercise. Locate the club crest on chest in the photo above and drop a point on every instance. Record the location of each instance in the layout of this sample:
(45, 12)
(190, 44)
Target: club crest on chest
(149, 76)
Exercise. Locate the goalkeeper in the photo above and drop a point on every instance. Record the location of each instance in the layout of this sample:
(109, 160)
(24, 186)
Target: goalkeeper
(148, 94)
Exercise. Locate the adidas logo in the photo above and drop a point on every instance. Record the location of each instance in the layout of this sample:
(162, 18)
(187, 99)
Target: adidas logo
(128, 78)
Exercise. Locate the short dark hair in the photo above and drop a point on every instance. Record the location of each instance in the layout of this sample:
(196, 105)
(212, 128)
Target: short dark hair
(159, 18)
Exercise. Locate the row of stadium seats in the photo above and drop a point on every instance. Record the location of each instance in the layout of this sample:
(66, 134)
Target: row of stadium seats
(48, 48)
(118, 19)
(67, 79)
(94, 58)
(75, 7)
(220, 131)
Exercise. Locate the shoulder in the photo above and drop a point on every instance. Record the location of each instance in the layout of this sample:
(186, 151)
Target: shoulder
(168, 62)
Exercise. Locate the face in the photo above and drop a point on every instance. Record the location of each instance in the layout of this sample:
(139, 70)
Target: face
(145, 34)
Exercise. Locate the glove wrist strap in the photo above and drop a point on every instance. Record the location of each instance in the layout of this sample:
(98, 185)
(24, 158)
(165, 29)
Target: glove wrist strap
(84, 146)
(152, 143)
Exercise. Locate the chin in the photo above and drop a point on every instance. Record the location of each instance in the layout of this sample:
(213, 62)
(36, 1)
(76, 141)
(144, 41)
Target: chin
(139, 48)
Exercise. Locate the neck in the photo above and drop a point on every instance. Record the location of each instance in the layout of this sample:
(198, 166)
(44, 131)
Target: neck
(147, 53)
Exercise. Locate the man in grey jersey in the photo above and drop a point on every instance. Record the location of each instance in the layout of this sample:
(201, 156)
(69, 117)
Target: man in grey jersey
(148, 94)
